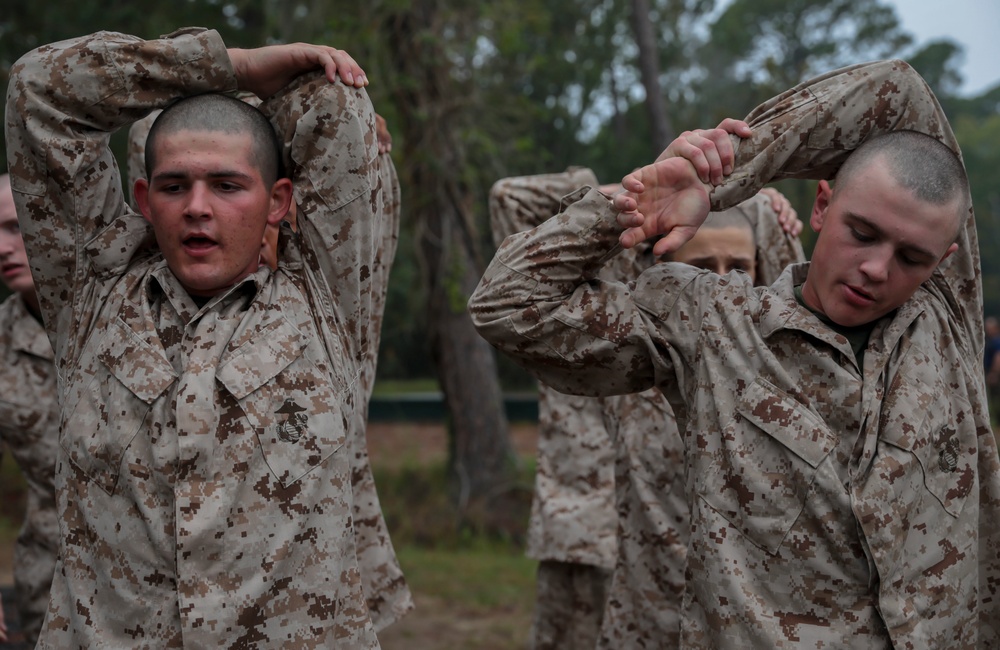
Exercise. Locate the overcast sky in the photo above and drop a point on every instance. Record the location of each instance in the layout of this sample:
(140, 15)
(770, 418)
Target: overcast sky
(973, 24)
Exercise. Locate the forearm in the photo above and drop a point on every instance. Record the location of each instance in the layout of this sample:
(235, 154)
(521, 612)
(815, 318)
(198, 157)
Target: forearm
(539, 302)
(523, 202)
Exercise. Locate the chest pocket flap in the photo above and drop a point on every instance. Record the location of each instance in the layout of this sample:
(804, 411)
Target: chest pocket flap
(104, 413)
(766, 462)
(289, 397)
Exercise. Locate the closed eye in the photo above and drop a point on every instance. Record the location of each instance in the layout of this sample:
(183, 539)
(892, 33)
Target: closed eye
(861, 237)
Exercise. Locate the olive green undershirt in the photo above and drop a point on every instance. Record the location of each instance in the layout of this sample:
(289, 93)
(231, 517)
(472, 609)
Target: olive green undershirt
(857, 336)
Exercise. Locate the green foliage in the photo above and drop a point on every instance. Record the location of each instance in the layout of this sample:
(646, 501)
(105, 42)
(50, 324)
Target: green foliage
(979, 140)
(759, 48)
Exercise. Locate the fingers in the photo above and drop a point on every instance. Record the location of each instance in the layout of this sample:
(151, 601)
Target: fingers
(624, 202)
(788, 218)
(710, 151)
(735, 127)
(348, 69)
(631, 237)
(673, 240)
(265, 70)
(382, 135)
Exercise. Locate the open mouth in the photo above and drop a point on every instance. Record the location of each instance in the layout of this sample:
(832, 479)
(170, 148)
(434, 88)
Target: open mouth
(199, 243)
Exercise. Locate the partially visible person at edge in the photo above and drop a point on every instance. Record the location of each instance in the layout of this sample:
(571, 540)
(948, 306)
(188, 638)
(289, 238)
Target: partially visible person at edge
(991, 361)
(387, 595)
(29, 423)
(206, 485)
(842, 476)
(579, 477)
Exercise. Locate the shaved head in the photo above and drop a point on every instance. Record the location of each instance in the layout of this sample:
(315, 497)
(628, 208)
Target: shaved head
(917, 162)
(215, 112)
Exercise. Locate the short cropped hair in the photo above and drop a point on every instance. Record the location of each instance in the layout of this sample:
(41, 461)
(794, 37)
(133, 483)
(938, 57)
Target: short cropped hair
(734, 217)
(918, 162)
(217, 112)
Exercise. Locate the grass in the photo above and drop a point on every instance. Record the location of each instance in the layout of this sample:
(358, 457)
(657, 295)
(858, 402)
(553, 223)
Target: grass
(484, 577)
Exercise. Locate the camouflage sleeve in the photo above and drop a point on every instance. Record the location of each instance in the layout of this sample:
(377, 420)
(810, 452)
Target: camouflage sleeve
(136, 163)
(384, 256)
(543, 303)
(63, 103)
(776, 249)
(327, 131)
(385, 588)
(348, 203)
(808, 132)
(520, 203)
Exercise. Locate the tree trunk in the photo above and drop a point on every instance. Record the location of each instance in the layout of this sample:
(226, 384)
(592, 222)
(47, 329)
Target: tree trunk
(482, 456)
(660, 129)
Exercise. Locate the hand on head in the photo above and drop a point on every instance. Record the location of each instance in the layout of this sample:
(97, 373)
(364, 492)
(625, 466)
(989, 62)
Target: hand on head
(266, 70)
(788, 218)
(671, 196)
(382, 134)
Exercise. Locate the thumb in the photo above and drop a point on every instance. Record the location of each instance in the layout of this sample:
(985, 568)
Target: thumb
(673, 240)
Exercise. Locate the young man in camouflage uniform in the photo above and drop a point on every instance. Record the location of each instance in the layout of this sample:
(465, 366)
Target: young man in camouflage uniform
(574, 524)
(644, 599)
(190, 516)
(29, 421)
(386, 592)
(842, 474)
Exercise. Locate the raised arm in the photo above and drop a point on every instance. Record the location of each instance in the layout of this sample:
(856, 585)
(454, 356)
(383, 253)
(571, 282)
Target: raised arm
(808, 132)
(328, 135)
(520, 203)
(63, 103)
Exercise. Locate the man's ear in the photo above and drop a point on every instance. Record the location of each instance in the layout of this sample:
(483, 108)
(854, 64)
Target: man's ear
(140, 190)
(281, 200)
(824, 194)
(947, 253)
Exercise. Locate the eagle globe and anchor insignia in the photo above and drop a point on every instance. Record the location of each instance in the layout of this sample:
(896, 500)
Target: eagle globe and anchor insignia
(293, 426)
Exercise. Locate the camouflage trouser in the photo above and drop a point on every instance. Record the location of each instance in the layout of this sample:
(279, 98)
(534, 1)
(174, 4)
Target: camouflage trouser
(569, 606)
(33, 567)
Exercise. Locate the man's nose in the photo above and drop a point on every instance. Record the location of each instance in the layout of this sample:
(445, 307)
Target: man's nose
(198, 205)
(876, 265)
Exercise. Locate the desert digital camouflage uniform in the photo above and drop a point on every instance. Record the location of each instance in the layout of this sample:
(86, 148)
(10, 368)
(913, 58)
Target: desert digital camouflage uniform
(644, 600)
(386, 592)
(832, 505)
(573, 522)
(29, 424)
(205, 481)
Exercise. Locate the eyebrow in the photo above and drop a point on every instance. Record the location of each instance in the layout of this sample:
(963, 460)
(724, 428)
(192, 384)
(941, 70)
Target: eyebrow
(912, 248)
(172, 175)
